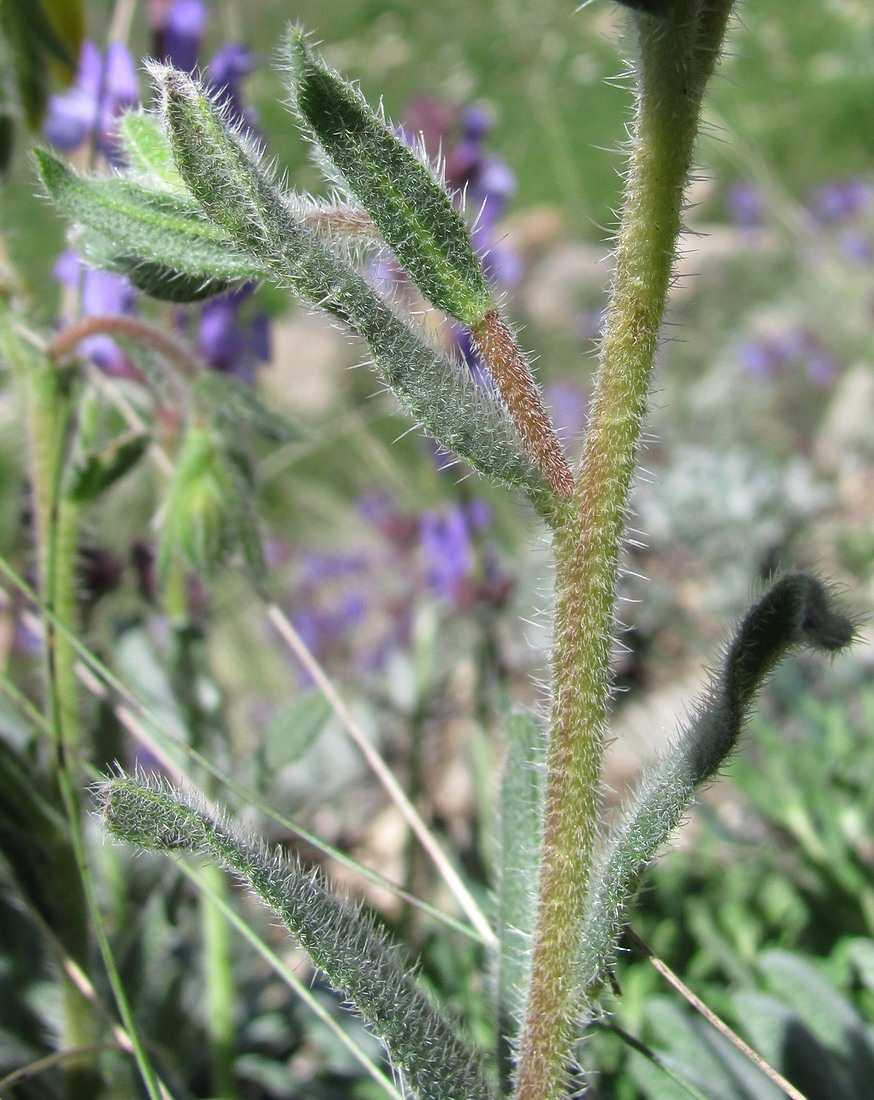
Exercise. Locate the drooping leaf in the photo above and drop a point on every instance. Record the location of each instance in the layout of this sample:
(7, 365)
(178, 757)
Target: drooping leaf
(797, 611)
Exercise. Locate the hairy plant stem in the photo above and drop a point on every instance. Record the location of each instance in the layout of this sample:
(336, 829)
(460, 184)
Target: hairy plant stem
(49, 398)
(677, 56)
(49, 417)
(512, 374)
(143, 333)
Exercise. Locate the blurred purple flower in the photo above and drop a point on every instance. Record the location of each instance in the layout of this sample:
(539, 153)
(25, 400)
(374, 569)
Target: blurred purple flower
(479, 515)
(317, 569)
(399, 529)
(102, 294)
(231, 338)
(567, 405)
(821, 368)
(228, 68)
(104, 88)
(857, 246)
(757, 359)
(745, 204)
(781, 351)
(461, 341)
(446, 550)
(179, 34)
(179, 31)
(459, 565)
(357, 606)
(842, 199)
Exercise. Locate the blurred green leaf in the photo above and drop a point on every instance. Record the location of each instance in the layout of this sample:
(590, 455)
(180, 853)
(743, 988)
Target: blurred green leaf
(699, 1054)
(209, 509)
(39, 41)
(783, 1039)
(862, 955)
(827, 1013)
(294, 730)
(96, 471)
(234, 406)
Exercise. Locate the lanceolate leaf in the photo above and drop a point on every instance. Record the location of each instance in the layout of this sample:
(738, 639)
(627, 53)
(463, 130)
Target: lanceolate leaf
(157, 232)
(355, 955)
(411, 209)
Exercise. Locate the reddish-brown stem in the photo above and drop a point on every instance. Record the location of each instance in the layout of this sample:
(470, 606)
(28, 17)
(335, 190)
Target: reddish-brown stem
(351, 221)
(508, 366)
(142, 332)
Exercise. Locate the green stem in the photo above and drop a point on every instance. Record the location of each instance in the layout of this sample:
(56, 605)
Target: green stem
(49, 409)
(49, 415)
(677, 56)
(221, 989)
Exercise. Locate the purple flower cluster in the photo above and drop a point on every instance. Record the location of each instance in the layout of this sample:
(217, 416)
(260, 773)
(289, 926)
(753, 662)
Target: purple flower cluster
(357, 607)
(105, 87)
(793, 348)
(844, 205)
(232, 336)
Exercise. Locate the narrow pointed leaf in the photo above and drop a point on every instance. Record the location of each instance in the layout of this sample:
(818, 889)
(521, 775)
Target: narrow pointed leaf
(796, 612)
(235, 192)
(344, 943)
(159, 234)
(411, 209)
(98, 470)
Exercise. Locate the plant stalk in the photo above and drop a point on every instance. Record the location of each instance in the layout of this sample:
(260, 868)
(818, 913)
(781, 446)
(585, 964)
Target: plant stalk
(677, 55)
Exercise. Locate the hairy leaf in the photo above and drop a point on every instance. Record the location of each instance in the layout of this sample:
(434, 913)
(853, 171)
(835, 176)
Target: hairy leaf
(355, 955)
(158, 234)
(798, 611)
(412, 210)
(236, 192)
